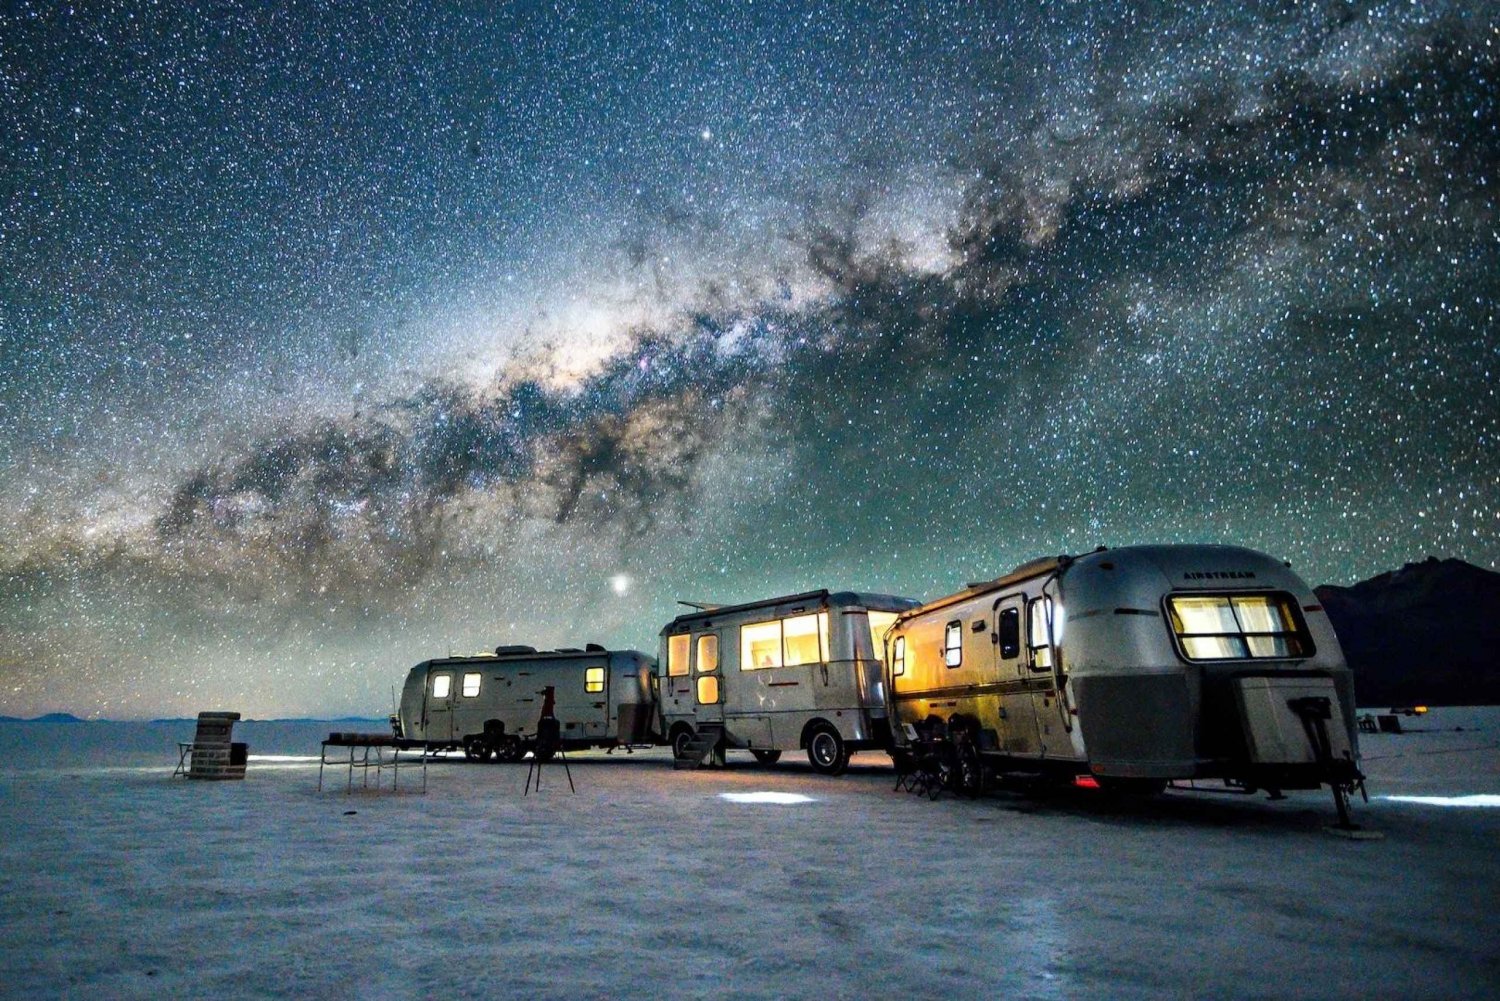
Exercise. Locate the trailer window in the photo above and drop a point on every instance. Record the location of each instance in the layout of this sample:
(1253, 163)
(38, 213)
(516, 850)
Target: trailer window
(593, 679)
(1039, 633)
(804, 639)
(898, 658)
(442, 684)
(1237, 627)
(471, 685)
(760, 645)
(789, 642)
(1010, 633)
(953, 644)
(708, 689)
(677, 655)
(708, 653)
(880, 624)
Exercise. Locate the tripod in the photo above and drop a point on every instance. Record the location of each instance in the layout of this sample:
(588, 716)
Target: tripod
(548, 744)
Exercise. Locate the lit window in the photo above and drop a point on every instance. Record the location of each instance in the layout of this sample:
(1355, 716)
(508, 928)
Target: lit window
(1242, 627)
(880, 624)
(593, 679)
(708, 653)
(677, 655)
(1010, 633)
(791, 642)
(760, 645)
(471, 685)
(1039, 633)
(708, 689)
(898, 658)
(803, 637)
(442, 684)
(953, 644)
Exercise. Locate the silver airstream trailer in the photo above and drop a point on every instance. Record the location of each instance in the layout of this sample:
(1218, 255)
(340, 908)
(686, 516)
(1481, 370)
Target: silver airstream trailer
(1136, 665)
(802, 671)
(489, 704)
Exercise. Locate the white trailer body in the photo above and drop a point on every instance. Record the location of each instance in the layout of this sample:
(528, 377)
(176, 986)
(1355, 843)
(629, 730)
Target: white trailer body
(490, 704)
(1138, 665)
(788, 673)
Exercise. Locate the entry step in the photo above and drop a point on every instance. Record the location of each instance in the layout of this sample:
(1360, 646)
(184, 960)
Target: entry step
(699, 751)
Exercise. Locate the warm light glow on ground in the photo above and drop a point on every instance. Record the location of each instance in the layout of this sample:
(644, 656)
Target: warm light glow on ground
(766, 797)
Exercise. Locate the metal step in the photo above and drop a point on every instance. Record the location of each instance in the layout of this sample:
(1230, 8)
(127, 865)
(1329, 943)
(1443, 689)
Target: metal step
(699, 752)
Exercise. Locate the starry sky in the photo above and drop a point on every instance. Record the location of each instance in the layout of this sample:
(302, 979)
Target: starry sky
(335, 336)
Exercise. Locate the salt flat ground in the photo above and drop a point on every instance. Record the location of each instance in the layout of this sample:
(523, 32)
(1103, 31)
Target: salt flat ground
(118, 881)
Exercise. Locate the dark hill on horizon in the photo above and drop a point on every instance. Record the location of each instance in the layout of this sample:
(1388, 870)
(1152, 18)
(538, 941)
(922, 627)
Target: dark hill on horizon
(1427, 634)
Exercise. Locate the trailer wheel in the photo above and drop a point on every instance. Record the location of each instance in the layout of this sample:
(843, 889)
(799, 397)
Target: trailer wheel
(767, 757)
(512, 750)
(680, 741)
(826, 751)
(477, 749)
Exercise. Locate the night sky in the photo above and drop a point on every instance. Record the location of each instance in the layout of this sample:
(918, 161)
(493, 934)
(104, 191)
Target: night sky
(337, 337)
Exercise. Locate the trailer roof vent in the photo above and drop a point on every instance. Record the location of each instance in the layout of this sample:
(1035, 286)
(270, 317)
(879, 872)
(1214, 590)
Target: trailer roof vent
(593, 648)
(502, 651)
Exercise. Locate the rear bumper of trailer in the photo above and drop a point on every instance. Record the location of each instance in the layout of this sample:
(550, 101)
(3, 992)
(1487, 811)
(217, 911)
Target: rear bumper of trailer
(1270, 730)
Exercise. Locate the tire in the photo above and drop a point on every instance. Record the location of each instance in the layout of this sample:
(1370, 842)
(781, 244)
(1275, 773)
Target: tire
(477, 749)
(680, 741)
(512, 751)
(767, 757)
(826, 751)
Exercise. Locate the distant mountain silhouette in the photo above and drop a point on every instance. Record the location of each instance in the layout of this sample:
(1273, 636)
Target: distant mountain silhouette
(48, 718)
(1427, 634)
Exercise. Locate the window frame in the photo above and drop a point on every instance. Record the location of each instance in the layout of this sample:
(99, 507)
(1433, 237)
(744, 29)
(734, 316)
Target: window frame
(747, 663)
(1013, 613)
(1299, 636)
(898, 656)
(673, 661)
(446, 677)
(698, 645)
(953, 653)
(464, 684)
(718, 688)
(822, 630)
(593, 685)
(1045, 603)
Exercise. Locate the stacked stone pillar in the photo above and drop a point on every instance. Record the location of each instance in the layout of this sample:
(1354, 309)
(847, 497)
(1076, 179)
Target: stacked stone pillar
(215, 756)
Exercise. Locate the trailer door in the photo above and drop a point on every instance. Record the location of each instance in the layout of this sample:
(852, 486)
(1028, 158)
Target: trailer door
(1018, 729)
(708, 684)
(440, 697)
(596, 699)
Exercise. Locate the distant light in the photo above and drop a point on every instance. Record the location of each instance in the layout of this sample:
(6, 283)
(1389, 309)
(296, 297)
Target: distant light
(620, 583)
(706, 135)
(1482, 799)
(766, 797)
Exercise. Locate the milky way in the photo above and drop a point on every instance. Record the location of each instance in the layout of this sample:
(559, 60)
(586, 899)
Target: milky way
(331, 340)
